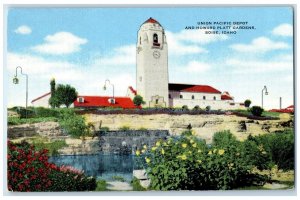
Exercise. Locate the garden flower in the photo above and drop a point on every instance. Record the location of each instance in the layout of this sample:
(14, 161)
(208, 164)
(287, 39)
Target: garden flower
(190, 152)
(145, 146)
(264, 152)
(157, 143)
(194, 145)
(162, 151)
(184, 145)
(193, 132)
(153, 148)
(221, 151)
(199, 151)
(237, 154)
(138, 153)
(143, 151)
(215, 150)
(209, 153)
(199, 161)
(191, 141)
(147, 160)
(183, 157)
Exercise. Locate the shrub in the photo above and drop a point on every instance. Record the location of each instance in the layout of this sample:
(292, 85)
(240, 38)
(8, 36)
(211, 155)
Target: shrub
(46, 112)
(101, 185)
(256, 110)
(73, 124)
(187, 163)
(29, 170)
(185, 107)
(104, 128)
(207, 108)
(136, 185)
(138, 100)
(196, 108)
(124, 128)
(268, 150)
(247, 103)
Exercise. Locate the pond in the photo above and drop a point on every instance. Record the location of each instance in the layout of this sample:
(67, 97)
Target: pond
(101, 166)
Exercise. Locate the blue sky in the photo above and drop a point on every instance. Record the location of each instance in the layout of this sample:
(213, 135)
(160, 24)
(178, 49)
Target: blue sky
(85, 46)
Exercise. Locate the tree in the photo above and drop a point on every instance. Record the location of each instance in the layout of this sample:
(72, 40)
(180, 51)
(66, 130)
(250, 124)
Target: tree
(247, 103)
(65, 94)
(256, 110)
(53, 101)
(138, 100)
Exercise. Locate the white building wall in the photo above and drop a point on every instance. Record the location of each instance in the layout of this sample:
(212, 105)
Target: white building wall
(214, 105)
(42, 102)
(186, 100)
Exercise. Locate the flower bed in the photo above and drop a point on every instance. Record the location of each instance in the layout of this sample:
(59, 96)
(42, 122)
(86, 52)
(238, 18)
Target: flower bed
(29, 171)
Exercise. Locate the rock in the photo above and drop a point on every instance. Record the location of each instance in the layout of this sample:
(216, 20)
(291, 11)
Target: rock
(145, 183)
(140, 174)
(242, 126)
(119, 186)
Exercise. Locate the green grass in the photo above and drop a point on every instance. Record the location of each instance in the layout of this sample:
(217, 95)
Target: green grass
(136, 185)
(17, 120)
(118, 178)
(264, 114)
(101, 186)
(53, 147)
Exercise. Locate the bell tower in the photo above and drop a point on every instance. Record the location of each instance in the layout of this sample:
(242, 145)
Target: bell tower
(152, 77)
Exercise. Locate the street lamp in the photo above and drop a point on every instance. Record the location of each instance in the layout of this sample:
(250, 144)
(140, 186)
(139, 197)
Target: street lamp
(104, 88)
(262, 95)
(16, 81)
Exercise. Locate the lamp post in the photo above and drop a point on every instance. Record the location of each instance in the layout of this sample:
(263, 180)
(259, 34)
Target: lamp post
(16, 81)
(262, 95)
(104, 87)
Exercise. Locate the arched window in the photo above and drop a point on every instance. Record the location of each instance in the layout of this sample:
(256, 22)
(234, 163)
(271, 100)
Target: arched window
(180, 96)
(156, 101)
(140, 40)
(214, 98)
(193, 97)
(170, 96)
(155, 38)
(204, 97)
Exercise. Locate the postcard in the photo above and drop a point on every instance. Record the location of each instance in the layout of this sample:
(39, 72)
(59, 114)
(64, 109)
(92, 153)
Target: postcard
(150, 98)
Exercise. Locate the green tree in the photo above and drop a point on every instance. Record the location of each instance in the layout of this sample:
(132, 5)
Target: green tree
(247, 103)
(53, 101)
(256, 110)
(65, 94)
(138, 100)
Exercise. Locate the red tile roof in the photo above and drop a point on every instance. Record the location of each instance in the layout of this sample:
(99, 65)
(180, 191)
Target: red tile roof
(132, 90)
(151, 20)
(226, 97)
(100, 101)
(193, 88)
(41, 97)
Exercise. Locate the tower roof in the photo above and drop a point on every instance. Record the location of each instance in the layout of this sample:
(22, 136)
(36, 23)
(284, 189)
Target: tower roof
(151, 20)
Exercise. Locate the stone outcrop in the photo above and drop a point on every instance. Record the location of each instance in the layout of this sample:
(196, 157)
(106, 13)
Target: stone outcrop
(203, 125)
(44, 129)
(80, 146)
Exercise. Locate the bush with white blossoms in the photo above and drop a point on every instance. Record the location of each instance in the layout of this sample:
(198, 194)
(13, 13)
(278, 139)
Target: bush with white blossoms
(188, 163)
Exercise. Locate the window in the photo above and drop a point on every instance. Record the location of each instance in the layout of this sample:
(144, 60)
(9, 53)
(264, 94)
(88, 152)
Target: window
(155, 38)
(193, 97)
(170, 96)
(141, 79)
(180, 96)
(156, 101)
(204, 97)
(214, 98)
(140, 40)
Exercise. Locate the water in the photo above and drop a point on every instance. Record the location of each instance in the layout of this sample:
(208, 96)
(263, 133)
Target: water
(101, 166)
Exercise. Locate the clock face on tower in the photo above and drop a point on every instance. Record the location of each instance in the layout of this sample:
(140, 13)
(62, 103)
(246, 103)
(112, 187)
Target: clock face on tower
(156, 54)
